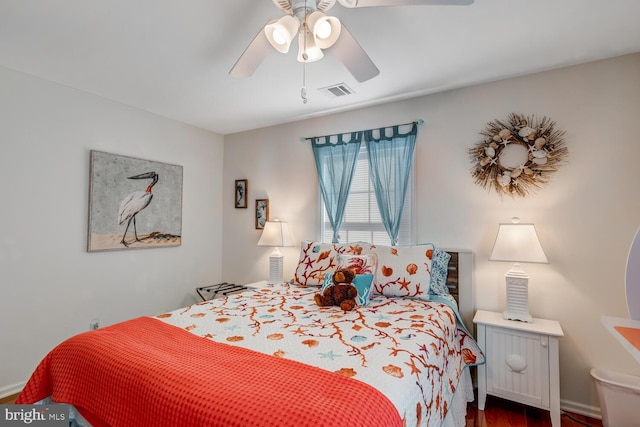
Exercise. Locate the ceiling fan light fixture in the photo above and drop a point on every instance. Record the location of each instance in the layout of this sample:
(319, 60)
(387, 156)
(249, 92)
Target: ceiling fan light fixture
(280, 32)
(325, 29)
(308, 50)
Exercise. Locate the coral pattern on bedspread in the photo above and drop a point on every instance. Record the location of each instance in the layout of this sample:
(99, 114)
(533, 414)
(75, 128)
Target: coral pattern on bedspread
(411, 350)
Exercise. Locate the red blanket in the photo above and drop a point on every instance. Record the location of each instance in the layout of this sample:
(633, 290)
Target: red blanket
(144, 372)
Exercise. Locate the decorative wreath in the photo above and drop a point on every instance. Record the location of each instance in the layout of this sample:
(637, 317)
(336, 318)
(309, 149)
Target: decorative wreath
(545, 149)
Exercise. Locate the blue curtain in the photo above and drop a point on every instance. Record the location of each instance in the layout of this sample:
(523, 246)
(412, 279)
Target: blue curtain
(390, 160)
(336, 162)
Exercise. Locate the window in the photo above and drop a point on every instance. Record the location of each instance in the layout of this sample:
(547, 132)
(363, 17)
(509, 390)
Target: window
(362, 221)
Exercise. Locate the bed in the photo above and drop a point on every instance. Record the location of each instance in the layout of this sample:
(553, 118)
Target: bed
(271, 356)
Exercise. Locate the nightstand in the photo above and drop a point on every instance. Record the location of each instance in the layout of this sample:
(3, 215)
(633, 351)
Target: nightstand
(522, 362)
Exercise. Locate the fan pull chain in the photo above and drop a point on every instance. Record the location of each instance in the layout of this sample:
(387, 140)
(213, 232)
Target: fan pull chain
(303, 91)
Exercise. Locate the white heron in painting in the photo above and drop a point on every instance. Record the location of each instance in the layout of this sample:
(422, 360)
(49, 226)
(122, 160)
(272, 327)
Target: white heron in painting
(134, 203)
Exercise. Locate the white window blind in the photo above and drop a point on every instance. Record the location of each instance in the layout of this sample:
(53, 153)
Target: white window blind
(362, 221)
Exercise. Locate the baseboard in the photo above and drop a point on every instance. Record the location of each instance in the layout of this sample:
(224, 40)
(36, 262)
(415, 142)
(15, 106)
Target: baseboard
(11, 389)
(579, 408)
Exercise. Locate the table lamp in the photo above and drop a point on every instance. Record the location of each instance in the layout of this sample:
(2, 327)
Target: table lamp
(276, 233)
(517, 243)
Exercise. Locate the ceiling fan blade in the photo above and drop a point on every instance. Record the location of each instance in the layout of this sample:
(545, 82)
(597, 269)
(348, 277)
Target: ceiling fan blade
(353, 56)
(375, 3)
(252, 56)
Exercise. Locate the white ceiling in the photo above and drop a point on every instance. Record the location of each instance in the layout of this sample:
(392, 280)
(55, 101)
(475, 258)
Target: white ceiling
(172, 57)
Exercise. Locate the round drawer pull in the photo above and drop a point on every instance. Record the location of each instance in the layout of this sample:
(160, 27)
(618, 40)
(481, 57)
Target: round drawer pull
(516, 363)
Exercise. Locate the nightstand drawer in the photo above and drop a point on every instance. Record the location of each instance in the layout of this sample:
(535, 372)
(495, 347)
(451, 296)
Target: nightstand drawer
(518, 366)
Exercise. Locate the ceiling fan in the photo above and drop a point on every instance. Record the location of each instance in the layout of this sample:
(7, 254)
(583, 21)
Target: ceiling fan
(317, 32)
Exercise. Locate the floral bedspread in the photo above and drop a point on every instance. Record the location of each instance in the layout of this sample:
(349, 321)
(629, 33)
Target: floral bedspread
(411, 350)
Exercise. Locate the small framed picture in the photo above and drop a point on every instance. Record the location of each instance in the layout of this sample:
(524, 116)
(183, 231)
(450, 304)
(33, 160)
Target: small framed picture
(241, 193)
(262, 213)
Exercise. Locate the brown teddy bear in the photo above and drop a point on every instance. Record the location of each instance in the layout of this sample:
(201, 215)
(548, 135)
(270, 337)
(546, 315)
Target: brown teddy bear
(341, 293)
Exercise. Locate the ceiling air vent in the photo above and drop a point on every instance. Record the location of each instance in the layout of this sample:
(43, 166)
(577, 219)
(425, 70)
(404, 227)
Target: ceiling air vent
(336, 91)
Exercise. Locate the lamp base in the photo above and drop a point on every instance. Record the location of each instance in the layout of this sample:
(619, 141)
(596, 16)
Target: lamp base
(517, 295)
(276, 268)
(523, 317)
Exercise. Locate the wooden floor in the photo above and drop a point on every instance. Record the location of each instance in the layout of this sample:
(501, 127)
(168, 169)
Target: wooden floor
(498, 413)
(503, 413)
(8, 399)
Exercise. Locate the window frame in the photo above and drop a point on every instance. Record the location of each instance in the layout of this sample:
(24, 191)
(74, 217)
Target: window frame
(407, 227)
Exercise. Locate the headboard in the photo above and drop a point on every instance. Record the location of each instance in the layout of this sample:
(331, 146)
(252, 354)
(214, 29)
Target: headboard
(460, 283)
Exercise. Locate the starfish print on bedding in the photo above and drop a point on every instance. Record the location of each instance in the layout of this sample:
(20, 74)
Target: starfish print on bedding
(329, 355)
(298, 331)
(404, 284)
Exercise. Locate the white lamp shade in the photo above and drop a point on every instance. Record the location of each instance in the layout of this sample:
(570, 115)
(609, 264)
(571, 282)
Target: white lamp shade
(280, 32)
(276, 233)
(517, 243)
(325, 29)
(308, 51)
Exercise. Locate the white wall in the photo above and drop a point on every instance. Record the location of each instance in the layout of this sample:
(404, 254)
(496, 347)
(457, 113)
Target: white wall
(51, 287)
(586, 217)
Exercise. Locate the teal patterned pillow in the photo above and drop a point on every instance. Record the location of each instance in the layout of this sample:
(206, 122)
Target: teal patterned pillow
(328, 281)
(439, 272)
(362, 282)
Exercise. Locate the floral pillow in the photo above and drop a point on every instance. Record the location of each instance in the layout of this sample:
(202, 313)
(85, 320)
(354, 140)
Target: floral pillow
(318, 259)
(404, 271)
(360, 264)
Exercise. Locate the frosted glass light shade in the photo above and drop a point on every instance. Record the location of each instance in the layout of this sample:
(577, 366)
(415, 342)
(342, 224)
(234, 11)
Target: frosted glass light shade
(280, 32)
(308, 51)
(325, 29)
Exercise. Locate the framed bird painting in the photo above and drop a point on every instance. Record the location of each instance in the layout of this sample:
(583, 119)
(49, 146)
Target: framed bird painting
(133, 203)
